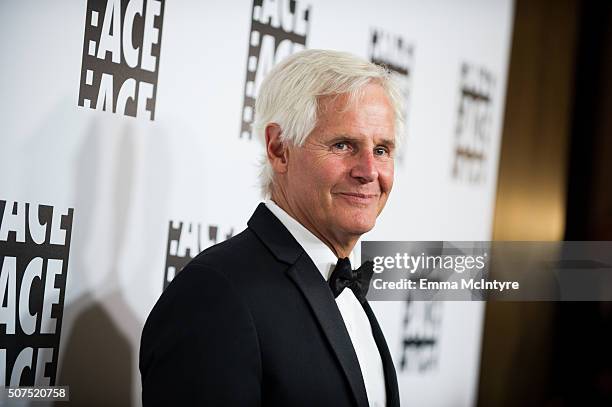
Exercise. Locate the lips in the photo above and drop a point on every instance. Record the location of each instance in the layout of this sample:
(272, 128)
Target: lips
(358, 198)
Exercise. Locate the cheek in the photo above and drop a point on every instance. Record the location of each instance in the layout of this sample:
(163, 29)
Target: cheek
(327, 175)
(385, 176)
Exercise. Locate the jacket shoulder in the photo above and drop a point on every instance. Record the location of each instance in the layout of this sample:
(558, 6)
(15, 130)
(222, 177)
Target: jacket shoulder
(236, 256)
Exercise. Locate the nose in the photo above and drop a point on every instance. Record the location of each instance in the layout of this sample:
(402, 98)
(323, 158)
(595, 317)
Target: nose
(364, 168)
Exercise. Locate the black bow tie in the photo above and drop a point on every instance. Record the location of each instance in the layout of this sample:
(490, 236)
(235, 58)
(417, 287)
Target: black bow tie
(357, 280)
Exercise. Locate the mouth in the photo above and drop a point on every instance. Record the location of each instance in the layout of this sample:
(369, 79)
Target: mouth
(358, 198)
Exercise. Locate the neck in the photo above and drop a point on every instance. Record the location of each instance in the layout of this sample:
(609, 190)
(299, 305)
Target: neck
(341, 246)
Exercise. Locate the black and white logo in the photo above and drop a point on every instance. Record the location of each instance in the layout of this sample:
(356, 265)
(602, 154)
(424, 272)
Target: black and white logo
(396, 54)
(420, 337)
(121, 50)
(186, 240)
(278, 29)
(34, 249)
(473, 128)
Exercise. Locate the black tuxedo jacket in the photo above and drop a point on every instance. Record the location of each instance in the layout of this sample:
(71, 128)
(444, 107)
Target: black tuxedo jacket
(251, 322)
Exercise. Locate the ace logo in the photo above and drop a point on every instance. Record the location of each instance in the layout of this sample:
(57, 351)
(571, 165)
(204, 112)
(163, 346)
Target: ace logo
(421, 332)
(279, 28)
(185, 241)
(34, 248)
(473, 128)
(121, 50)
(396, 54)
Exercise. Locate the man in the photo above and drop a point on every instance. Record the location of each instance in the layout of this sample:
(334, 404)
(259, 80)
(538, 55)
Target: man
(252, 321)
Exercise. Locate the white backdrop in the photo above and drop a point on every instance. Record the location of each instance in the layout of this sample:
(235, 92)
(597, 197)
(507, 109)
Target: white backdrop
(131, 181)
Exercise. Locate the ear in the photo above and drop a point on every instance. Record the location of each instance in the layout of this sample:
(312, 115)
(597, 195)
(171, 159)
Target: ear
(276, 150)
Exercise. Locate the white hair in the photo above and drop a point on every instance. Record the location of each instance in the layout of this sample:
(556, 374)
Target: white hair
(289, 96)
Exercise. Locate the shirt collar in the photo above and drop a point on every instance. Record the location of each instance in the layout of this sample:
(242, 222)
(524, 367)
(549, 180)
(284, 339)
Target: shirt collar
(319, 253)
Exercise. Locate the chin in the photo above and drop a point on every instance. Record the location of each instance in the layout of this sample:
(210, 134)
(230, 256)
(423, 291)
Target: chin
(359, 227)
(355, 221)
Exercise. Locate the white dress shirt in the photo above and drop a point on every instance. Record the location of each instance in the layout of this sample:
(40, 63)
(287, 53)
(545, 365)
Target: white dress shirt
(355, 318)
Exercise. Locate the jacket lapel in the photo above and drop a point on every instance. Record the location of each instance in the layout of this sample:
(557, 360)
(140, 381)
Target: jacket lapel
(305, 275)
(390, 376)
(321, 301)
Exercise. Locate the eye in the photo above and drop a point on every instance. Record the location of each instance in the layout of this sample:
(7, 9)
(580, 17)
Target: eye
(341, 145)
(381, 151)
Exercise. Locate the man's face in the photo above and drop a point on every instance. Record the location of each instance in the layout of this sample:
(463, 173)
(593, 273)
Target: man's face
(338, 182)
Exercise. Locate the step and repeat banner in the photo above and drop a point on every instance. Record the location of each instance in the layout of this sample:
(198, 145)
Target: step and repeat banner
(126, 149)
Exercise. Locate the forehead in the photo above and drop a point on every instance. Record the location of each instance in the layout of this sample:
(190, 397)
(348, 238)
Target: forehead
(370, 113)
